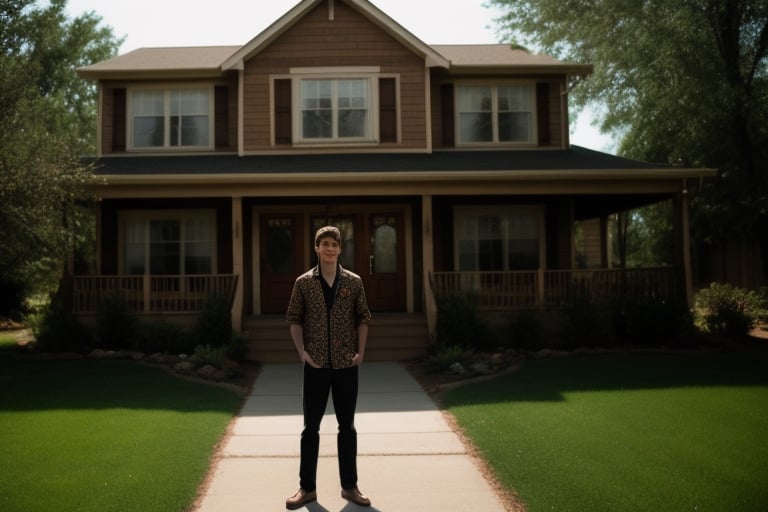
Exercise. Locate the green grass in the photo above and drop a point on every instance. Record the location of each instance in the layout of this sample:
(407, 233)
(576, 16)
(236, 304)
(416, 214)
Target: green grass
(626, 432)
(104, 436)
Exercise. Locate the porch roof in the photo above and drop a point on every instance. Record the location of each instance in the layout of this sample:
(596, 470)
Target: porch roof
(539, 163)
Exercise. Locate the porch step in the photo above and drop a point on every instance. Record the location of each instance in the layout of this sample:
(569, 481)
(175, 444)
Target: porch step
(391, 337)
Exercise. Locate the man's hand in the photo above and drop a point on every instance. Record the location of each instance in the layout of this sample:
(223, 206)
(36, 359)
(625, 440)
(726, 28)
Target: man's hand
(357, 360)
(306, 358)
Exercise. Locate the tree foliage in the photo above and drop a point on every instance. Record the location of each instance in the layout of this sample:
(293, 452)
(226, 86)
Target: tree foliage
(683, 83)
(47, 116)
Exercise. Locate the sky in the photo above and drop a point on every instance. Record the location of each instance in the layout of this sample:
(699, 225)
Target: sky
(163, 23)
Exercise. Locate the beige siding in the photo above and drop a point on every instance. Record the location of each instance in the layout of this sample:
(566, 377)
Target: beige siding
(348, 39)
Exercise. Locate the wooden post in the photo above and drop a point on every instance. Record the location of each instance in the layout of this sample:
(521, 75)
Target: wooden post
(237, 262)
(428, 264)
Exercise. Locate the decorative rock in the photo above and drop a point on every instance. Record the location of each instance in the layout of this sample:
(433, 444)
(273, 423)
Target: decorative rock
(207, 371)
(184, 367)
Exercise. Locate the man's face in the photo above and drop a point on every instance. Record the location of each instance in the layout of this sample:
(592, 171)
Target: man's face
(328, 250)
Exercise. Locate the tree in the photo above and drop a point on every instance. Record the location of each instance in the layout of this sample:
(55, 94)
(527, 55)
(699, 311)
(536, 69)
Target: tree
(683, 82)
(47, 116)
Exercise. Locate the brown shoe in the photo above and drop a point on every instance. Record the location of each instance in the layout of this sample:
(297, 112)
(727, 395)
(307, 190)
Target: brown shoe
(356, 497)
(300, 499)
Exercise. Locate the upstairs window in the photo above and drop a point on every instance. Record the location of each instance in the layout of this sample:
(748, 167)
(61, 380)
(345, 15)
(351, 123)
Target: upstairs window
(171, 118)
(335, 110)
(489, 114)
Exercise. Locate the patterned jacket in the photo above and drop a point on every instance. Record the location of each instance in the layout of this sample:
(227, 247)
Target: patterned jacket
(350, 308)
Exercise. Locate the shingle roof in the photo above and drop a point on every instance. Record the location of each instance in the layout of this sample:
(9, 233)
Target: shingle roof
(576, 158)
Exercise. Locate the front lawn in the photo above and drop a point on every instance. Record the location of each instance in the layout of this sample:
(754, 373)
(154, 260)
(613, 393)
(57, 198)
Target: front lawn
(104, 436)
(626, 432)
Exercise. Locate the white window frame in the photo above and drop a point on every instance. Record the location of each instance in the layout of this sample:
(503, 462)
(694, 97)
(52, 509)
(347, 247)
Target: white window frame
(368, 74)
(475, 211)
(167, 90)
(495, 86)
(159, 215)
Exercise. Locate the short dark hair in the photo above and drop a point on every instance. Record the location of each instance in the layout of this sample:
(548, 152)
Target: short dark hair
(327, 232)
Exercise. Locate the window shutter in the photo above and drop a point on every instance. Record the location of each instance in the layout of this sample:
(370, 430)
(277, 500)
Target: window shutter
(221, 116)
(118, 119)
(387, 110)
(283, 129)
(446, 99)
(542, 113)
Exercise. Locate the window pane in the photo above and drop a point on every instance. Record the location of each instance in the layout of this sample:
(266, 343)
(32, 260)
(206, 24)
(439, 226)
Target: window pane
(475, 114)
(164, 247)
(317, 124)
(148, 118)
(477, 127)
(352, 94)
(198, 258)
(147, 132)
(352, 123)
(515, 127)
(189, 117)
(135, 246)
(474, 99)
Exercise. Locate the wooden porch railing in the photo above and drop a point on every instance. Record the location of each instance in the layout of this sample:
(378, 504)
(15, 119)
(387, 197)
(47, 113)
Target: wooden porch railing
(152, 293)
(551, 289)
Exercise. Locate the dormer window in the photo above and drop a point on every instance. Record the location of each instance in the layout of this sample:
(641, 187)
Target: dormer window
(352, 106)
(335, 109)
(495, 114)
(170, 118)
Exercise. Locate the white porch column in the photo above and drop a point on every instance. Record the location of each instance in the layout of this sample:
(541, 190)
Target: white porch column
(237, 262)
(428, 264)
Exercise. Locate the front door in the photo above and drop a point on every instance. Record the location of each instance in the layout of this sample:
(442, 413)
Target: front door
(385, 279)
(281, 259)
(373, 247)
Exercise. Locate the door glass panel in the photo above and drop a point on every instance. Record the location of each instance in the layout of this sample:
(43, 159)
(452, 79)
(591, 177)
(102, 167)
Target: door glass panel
(280, 245)
(346, 225)
(384, 244)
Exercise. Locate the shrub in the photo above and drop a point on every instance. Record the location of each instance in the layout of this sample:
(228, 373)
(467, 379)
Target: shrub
(585, 324)
(442, 357)
(206, 354)
(526, 330)
(57, 330)
(214, 324)
(728, 310)
(115, 327)
(160, 336)
(650, 320)
(458, 323)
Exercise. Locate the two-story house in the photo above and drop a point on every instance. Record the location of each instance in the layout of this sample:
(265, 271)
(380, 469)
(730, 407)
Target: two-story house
(446, 167)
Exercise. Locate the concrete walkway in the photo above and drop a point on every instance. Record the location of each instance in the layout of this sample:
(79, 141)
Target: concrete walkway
(409, 459)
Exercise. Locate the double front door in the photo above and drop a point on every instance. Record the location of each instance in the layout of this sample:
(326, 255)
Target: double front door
(373, 247)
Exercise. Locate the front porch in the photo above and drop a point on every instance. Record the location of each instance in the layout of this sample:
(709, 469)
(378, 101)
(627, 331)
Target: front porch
(494, 291)
(553, 289)
(151, 294)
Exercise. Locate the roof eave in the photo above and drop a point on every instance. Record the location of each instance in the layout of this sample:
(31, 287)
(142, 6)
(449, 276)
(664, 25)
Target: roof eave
(149, 74)
(524, 69)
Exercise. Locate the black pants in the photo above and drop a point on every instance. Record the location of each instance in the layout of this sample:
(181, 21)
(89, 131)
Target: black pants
(342, 385)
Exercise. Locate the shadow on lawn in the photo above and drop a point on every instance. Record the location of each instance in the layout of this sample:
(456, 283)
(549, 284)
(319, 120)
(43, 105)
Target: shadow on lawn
(33, 384)
(548, 379)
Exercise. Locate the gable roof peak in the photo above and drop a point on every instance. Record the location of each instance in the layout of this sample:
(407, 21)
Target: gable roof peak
(364, 7)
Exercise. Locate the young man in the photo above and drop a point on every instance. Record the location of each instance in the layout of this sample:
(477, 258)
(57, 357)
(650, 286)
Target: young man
(328, 316)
